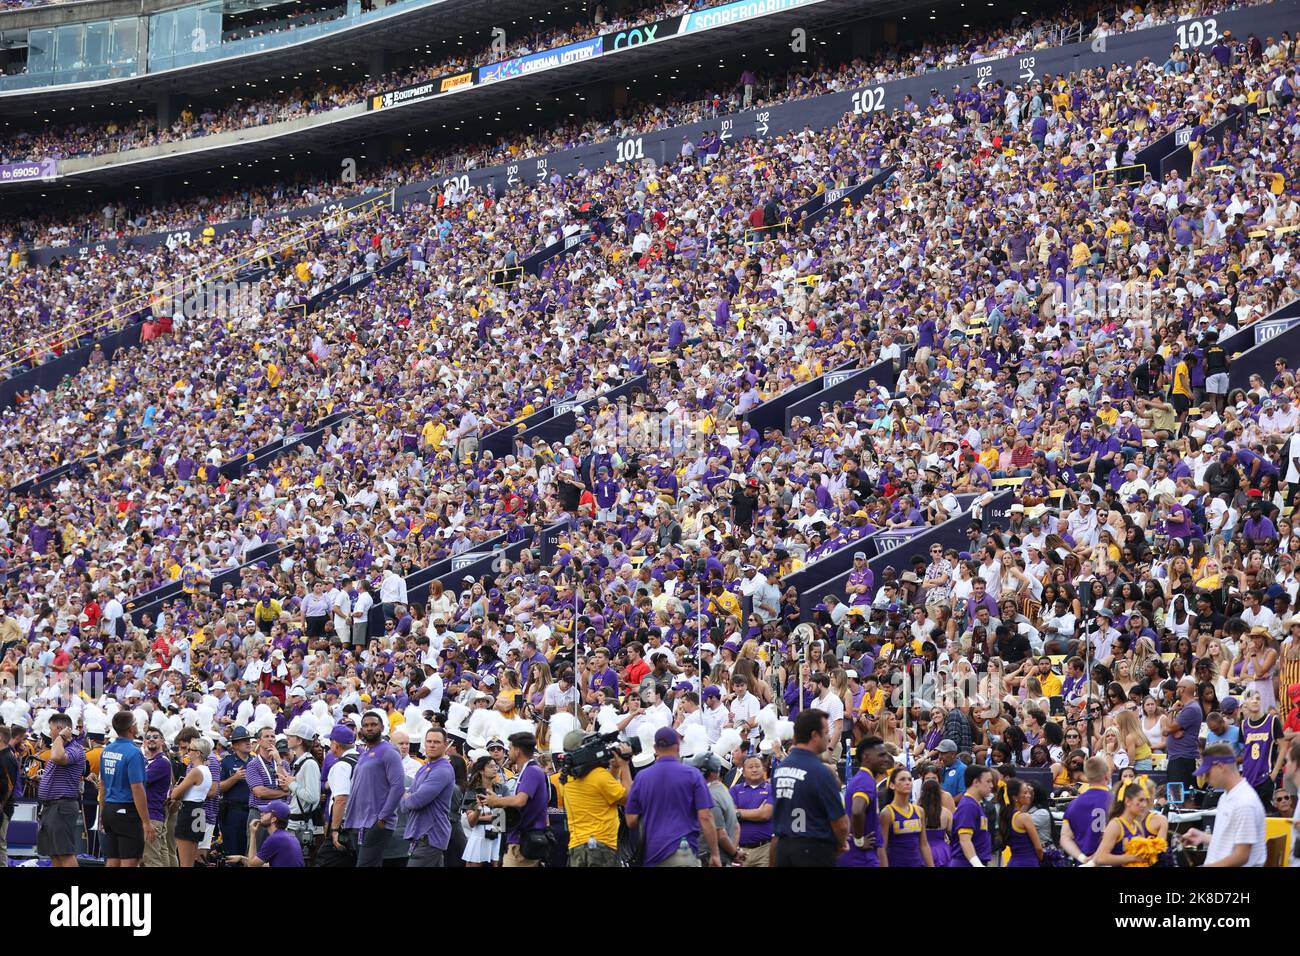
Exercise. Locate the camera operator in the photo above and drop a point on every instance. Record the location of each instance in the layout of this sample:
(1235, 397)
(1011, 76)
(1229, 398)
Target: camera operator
(524, 844)
(591, 798)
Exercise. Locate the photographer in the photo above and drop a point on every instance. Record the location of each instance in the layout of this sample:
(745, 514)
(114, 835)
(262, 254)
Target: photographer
(528, 842)
(483, 825)
(591, 798)
(302, 781)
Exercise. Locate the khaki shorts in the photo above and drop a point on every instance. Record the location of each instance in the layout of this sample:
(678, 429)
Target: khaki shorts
(514, 857)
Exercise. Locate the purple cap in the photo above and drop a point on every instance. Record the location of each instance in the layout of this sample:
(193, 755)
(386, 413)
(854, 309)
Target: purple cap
(711, 692)
(1229, 705)
(343, 735)
(1211, 760)
(666, 737)
(279, 808)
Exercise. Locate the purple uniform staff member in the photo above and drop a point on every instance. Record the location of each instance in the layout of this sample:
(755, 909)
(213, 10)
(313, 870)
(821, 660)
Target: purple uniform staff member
(59, 794)
(810, 827)
(279, 846)
(532, 793)
(428, 805)
(377, 786)
(972, 842)
(754, 806)
(1088, 813)
(670, 806)
(123, 808)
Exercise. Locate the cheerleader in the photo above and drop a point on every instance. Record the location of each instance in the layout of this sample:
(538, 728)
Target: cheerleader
(1130, 819)
(481, 847)
(938, 818)
(902, 826)
(1018, 830)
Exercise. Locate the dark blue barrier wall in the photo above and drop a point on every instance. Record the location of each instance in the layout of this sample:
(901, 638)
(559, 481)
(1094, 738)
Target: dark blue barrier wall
(771, 414)
(1258, 360)
(34, 486)
(50, 373)
(830, 566)
(482, 565)
(555, 421)
(1181, 158)
(417, 583)
(1261, 331)
(836, 199)
(263, 456)
(533, 264)
(950, 534)
(842, 384)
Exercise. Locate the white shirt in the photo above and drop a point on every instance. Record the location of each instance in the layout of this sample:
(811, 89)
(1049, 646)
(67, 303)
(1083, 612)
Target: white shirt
(340, 777)
(713, 718)
(433, 700)
(361, 611)
(743, 708)
(392, 590)
(834, 707)
(1240, 820)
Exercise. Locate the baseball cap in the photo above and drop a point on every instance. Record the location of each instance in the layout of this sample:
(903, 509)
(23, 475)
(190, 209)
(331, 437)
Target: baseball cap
(1211, 759)
(947, 747)
(342, 734)
(666, 737)
(279, 808)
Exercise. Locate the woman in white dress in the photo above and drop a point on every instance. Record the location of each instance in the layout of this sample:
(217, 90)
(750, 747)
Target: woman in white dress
(484, 828)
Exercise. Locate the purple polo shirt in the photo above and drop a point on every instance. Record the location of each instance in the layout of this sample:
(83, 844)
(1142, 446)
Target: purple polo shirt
(157, 784)
(59, 782)
(668, 795)
(749, 797)
(259, 773)
(377, 785)
(429, 802)
(281, 848)
(533, 815)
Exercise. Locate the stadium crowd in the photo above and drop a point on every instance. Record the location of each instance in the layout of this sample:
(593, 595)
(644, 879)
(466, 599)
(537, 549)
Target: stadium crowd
(888, 63)
(1053, 331)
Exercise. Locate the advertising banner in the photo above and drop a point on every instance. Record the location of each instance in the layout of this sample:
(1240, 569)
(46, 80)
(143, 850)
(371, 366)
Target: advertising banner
(537, 62)
(421, 91)
(26, 172)
(640, 36)
(736, 12)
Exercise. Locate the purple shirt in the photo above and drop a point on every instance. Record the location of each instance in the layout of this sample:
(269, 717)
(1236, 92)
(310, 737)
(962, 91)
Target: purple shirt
(533, 815)
(1189, 718)
(281, 848)
(59, 782)
(428, 805)
(157, 784)
(865, 785)
(377, 785)
(748, 797)
(668, 795)
(258, 773)
(1088, 813)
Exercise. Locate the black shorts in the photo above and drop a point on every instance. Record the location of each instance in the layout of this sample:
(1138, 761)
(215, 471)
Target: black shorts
(123, 832)
(316, 626)
(60, 828)
(800, 851)
(191, 823)
(1181, 403)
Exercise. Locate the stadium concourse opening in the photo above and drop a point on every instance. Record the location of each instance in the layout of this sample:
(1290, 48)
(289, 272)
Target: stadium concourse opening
(818, 440)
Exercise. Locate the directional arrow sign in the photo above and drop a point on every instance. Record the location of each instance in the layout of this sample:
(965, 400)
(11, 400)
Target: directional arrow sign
(511, 178)
(726, 130)
(1027, 75)
(762, 127)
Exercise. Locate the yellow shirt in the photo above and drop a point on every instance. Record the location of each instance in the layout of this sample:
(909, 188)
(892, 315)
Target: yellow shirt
(1079, 254)
(1051, 684)
(1182, 380)
(591, 803)
(872, 703)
